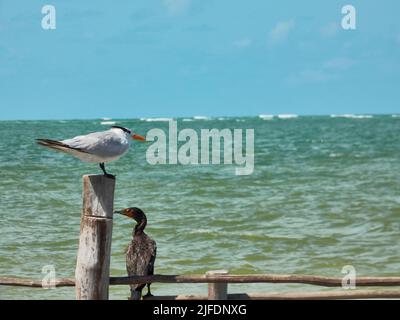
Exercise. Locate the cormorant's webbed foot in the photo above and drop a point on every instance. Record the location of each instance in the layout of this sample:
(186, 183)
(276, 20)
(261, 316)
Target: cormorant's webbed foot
(148, 294)
(103, 168)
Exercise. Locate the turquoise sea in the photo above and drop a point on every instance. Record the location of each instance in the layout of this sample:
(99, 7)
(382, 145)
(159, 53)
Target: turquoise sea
(325, 193)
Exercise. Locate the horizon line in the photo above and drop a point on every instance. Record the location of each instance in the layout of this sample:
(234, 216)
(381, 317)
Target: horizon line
(205, 116)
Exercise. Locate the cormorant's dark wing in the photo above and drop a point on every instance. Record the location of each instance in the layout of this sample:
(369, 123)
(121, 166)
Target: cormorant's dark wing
(140, 258)
(152, 258)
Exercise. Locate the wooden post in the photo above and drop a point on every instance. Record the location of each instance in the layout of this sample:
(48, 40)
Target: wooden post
(92, 272)
(217, 291)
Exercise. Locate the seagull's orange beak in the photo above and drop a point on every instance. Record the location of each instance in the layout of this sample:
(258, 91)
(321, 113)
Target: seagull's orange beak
(138, 137)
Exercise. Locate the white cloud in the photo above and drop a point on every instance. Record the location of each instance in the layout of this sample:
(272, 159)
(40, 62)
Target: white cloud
(329, 30)
(281, 31)
(242, 43)
(310, 76)
(338, 63)
(176, 7)
(326, 71)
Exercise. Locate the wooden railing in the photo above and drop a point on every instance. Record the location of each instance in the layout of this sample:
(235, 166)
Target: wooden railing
(218, 286)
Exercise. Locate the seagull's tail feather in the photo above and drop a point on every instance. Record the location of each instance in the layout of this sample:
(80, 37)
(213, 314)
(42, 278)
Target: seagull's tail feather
(57, 145)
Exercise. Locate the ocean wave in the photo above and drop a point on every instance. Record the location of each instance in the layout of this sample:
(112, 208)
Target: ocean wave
(201, 118)
(107, 123)
(352, 116)
(335, 155)
(395, 115)
(266, 116)
(156, 119)
(106, 119)
(187, 119)
(287, 116)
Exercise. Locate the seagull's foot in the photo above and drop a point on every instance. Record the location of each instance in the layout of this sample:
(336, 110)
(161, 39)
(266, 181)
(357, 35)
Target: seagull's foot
(103, 168)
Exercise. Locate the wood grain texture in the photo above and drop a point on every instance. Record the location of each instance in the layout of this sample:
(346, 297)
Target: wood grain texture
(217, 290)
(98, 196)
(93, 261)
(257, 278)
(260, 278)
(18, 282)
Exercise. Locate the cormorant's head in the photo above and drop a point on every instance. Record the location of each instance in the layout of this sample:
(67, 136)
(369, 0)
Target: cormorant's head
(130, 133)
(133, 213)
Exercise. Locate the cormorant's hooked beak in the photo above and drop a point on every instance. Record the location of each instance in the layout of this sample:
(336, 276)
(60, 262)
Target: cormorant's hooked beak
(125, 213)
(138, 137)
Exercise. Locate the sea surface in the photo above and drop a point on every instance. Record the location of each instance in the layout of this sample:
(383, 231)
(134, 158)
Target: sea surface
(325, 193)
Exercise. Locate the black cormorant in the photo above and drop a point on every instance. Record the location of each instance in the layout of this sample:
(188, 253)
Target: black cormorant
(141, 252)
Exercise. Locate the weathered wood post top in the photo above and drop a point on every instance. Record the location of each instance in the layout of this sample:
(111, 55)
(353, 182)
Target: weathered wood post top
(93, 262)
(217, 291)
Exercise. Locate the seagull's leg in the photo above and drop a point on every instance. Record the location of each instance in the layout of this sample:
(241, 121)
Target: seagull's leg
(103, 168)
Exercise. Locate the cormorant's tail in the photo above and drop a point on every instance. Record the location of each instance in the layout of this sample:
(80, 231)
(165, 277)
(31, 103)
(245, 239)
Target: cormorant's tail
(135, 295)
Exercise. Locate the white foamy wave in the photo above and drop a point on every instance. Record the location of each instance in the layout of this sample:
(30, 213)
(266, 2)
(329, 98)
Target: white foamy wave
(266, 116)
(201, 231)
(107, 123)
(187, 119)
(156, 119)
(106, 119)
(201, 118)
(395, 115)
(352, 116)
(287, 116)
(335, 155)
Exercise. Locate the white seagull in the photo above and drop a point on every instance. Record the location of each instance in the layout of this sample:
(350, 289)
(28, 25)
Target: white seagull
(96, 147)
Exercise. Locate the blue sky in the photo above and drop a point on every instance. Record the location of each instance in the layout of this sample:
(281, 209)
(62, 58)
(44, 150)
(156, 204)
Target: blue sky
(160, 58)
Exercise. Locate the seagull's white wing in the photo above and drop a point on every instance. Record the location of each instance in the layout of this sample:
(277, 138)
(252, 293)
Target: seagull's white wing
(105, 144)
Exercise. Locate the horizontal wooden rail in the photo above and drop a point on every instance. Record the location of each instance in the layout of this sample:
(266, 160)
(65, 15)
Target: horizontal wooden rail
(323, 295)
(300, 279)
(35, 283)
(304, 279)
